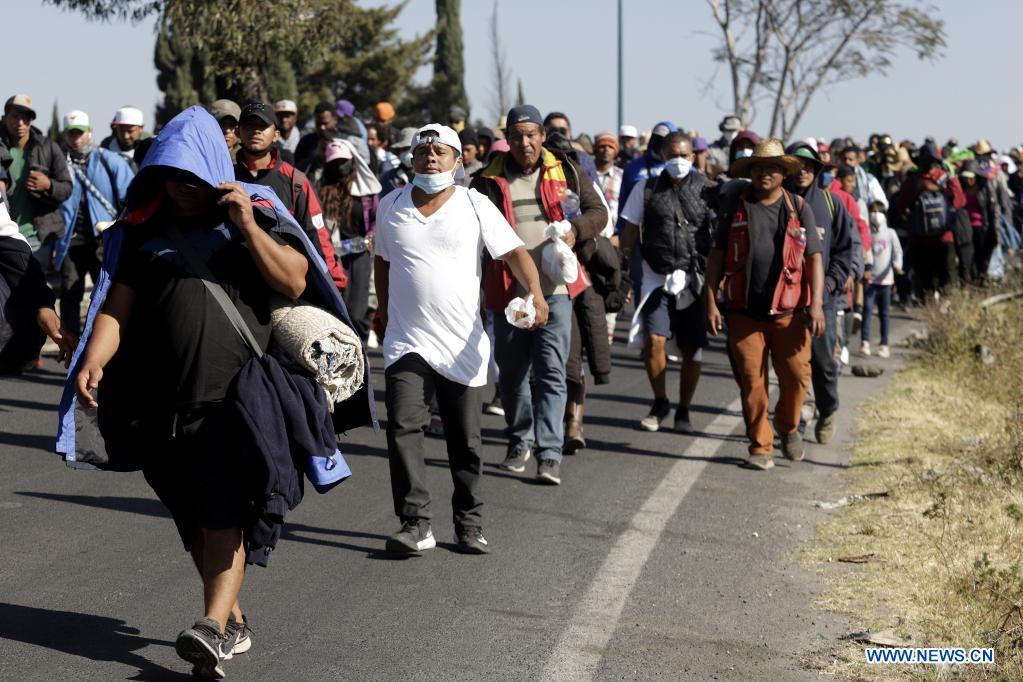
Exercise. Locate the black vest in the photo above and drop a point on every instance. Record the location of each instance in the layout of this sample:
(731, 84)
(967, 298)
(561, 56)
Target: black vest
(671, 217)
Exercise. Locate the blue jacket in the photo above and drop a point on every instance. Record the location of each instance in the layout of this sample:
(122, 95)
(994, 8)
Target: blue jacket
(111, 174)
(193, 142)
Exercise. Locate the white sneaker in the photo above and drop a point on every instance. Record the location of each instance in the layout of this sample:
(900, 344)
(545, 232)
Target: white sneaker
(865, 349)
(372, 341)
(883, 352)
(844, 357)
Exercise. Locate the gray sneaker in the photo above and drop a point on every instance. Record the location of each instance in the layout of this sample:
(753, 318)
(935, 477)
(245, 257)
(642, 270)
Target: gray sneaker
(548, 471)
(516, 458)
(415, 536)
(204, 647)
(239, 636)
(470, 540)
(682, 423)
(761, 462)
(824, 429)
(792, 446)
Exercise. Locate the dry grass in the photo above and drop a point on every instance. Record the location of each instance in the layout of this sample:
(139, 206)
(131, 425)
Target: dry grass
(946, 442)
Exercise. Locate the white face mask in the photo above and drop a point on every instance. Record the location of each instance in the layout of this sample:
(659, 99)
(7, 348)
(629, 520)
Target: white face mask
(678, 167)
(432, 183)
(744, 153)
(878, 219)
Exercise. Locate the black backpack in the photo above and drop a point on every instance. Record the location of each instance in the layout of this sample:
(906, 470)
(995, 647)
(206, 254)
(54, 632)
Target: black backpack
(929, 217)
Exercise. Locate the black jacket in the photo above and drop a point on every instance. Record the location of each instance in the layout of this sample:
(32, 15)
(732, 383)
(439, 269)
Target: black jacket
(43, 153)
(675, 234)
(286, 418)
(23, 291)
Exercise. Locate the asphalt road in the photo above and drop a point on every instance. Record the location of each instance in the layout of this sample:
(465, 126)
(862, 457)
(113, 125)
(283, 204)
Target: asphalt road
(659, 556)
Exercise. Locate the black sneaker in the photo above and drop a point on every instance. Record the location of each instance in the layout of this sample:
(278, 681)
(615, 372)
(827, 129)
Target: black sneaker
(415, 536)
(239, 636)
(204, 647)
(659, 411)
(470, 540)
(516, 459)
(682, 423)
(548, 471)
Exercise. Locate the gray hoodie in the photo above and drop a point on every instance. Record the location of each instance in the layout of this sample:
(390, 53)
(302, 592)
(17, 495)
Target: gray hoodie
(887, 249)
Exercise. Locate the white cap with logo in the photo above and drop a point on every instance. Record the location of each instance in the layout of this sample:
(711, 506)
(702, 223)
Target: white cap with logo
(128, 116)
(77, 120)
(286, 106)
(435, 132)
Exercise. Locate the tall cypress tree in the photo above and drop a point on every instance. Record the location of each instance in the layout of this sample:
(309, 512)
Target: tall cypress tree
(448, 86)
(54, 132)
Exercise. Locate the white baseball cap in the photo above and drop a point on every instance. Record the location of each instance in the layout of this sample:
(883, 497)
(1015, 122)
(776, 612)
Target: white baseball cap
(77, 120)
(435, 132)
(128, 116)
(286, 105)
(628, 131)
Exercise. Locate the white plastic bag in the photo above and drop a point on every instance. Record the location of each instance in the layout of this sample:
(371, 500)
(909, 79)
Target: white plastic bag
(996, 265)
(558, 261)
(521, 312)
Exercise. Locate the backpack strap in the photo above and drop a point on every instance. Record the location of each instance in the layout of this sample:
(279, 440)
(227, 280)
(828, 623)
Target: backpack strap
(202, 271)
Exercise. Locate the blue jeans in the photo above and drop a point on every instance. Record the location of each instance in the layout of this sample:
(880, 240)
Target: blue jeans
(535, 422)
(882, 294)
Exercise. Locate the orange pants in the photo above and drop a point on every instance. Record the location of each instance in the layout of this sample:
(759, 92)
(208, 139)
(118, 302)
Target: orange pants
(787, 341)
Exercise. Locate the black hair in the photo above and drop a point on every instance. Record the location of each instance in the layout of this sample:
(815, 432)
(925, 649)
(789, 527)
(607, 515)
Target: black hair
(845, 171)
(553, 115)
(324, 106)
(676, 137)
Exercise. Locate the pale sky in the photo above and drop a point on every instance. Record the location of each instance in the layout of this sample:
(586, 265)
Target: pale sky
(565, 54)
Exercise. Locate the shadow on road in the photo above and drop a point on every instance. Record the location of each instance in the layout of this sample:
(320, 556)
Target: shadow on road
(32, 441)
(96, 638)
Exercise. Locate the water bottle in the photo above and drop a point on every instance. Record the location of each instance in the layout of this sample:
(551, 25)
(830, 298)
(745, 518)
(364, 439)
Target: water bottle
(569, 204)
(353, 245)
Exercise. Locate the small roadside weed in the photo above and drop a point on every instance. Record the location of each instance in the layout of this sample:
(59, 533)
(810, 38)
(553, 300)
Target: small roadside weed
(945, 442)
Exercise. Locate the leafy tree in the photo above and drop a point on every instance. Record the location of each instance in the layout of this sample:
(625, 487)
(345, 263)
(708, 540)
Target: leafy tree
(250, 49)
(448, 84)
(782, 53)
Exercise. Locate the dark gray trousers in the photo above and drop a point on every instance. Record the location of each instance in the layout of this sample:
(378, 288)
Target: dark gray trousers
(411, 386)
(823, 366)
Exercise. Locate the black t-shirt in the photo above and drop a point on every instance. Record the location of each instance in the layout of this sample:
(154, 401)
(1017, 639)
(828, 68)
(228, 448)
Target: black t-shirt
(191, 350)
(767, 238)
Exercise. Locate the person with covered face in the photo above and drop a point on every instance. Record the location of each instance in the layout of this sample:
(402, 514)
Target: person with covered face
(181, 312)
(100, 185)
(349, 192)
(671, 223)
(430, 240)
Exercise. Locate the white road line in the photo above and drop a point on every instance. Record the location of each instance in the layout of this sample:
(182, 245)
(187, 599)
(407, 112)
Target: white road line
(581, 646)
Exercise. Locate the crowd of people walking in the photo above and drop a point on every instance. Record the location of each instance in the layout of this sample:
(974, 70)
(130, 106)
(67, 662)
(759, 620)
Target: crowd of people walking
(261, 264)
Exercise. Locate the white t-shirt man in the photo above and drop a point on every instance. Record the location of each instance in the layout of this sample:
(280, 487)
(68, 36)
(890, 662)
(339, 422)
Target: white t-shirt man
(433, 306)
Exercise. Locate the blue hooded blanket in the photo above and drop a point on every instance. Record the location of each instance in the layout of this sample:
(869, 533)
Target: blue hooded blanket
(193, 142)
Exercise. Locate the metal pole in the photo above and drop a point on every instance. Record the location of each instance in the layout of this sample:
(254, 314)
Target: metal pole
(621, 71)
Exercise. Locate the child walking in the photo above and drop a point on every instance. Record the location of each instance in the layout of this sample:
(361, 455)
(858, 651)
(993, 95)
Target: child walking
(887, 253)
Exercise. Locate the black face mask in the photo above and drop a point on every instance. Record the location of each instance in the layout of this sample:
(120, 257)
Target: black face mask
(558, 143)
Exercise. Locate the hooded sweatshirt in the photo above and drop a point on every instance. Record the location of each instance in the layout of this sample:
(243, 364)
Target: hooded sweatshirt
(193, 142)
(887, 250)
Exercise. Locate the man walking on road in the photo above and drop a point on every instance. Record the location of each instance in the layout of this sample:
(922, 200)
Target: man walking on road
(430, 239)
(835, 227)
(259, 161)
(672, 222)
(527, 184)
(39, 178)
(767, 255)
(101, 180)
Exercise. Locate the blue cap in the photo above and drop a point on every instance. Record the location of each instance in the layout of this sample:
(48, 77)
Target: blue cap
(700, 145)
(526, 113)
(663, 129)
